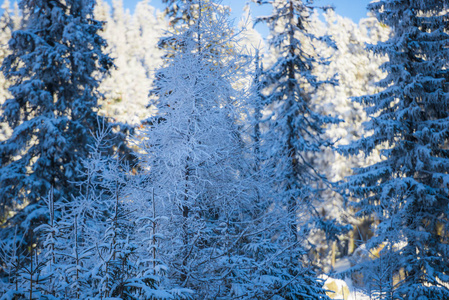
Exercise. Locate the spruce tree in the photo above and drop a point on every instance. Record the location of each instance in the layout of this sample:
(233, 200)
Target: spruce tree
(53, 108)
(407, 192)
(295, 131)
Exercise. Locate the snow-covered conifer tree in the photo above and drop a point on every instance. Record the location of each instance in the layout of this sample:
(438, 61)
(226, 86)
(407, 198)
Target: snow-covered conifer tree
(53, 107)
(407, 192)
(11, 258)
(52, 247)
(296, 129)
(195, 157)
(93, 246)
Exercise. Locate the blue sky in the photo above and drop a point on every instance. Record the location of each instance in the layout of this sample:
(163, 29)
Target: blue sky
(354, 9)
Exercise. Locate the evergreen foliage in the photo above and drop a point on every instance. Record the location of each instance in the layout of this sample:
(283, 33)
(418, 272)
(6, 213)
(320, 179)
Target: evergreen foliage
(407, 192)
(294, 130)
(195, 157)
(54, 103)
(230, 198)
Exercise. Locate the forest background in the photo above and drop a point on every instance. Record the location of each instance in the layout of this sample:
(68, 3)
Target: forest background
(202, 199)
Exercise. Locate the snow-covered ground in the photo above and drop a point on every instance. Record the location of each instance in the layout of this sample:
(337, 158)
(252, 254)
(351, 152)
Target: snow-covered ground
(343, 289)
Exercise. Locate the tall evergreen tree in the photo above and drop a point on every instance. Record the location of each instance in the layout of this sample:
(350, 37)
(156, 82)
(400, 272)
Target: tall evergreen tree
(407, 192)
(295, 130)
(53, 108)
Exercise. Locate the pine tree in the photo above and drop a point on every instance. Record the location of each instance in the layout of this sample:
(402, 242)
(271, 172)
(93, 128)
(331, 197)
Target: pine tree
(407, 192)
(53, 107)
